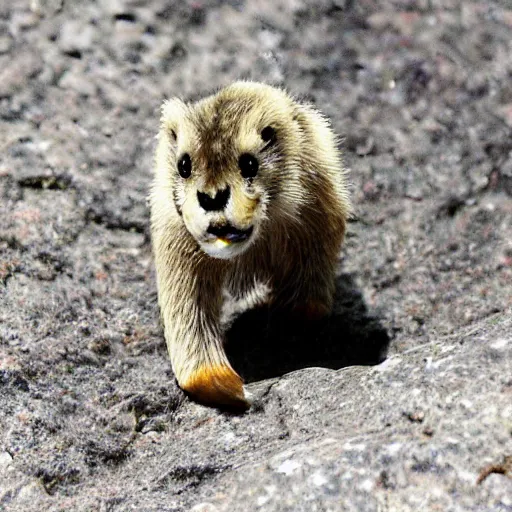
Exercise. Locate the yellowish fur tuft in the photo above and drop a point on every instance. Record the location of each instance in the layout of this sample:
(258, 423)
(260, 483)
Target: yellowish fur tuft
(216, 385)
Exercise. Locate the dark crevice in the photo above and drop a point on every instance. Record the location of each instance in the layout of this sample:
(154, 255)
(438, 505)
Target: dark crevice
(54, 260)
(56, 182)
(13, 379)
(505, 468)
(126, 16)
(54, 478)
(97, 211)
(110, 221)
(153, 412)
(192, 476)
(74, 54)
(450, 206)
(100, 452)
(8, 269)
(184, 473)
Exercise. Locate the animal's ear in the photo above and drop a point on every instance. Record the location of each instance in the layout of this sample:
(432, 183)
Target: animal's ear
(173, 111)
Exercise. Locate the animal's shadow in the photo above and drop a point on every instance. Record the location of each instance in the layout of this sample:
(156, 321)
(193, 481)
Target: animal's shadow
(266, 343)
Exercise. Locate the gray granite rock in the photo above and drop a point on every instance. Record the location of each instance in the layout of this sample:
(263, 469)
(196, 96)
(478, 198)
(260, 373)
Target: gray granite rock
(400, 401)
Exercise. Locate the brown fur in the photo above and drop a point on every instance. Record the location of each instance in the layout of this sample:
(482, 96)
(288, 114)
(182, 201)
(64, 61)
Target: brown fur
(297, 206)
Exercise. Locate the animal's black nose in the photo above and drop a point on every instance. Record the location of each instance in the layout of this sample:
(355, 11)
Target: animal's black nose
(212, 204)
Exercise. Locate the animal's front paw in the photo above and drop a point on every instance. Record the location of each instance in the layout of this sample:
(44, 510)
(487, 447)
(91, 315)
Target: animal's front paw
(216, 386)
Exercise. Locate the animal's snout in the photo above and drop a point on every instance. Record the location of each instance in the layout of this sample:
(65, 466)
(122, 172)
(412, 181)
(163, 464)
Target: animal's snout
(230, 233)
(212, 204)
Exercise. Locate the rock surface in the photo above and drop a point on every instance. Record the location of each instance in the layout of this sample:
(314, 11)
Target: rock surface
(401, 401)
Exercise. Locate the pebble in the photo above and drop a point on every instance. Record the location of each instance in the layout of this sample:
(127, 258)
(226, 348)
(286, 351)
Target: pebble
(288, 467)
(5, 44)
(75, 36)
(500, 343)
(33, 492)
(204, 507)
(5, 461)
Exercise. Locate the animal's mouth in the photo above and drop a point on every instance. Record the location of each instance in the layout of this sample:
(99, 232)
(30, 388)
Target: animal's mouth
(228, 234)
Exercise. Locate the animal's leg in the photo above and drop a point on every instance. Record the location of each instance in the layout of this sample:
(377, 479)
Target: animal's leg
(190, 298)
(309, 288)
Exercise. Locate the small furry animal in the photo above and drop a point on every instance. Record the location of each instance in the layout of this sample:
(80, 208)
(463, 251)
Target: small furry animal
(249, 188)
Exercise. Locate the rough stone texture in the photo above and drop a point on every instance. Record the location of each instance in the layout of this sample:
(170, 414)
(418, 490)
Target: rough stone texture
(91, 419)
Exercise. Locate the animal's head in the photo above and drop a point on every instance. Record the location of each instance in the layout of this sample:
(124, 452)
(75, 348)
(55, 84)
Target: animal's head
(228, 163)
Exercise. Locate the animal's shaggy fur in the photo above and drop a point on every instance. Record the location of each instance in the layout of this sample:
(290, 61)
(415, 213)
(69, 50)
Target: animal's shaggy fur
(282, 228)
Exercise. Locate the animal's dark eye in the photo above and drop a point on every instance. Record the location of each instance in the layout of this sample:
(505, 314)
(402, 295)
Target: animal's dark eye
(185, 166)
(268, 134)
(248, 165)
